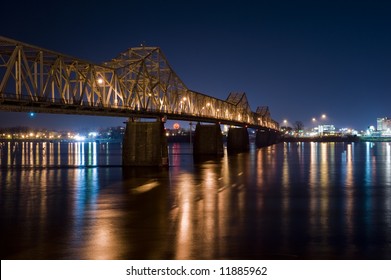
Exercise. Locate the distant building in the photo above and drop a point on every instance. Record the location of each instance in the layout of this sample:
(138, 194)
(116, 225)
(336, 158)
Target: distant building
(384, 126)
(326, 129)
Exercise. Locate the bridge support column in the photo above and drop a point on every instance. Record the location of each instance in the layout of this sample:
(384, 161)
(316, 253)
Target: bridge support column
(266, 137)
(145, 144)
(208, 140)
(238, 140)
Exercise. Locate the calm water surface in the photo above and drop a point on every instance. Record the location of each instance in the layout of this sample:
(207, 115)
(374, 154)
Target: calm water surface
(287, 201)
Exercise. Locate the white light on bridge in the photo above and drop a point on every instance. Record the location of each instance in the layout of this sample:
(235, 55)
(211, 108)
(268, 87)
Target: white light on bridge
(100, 81)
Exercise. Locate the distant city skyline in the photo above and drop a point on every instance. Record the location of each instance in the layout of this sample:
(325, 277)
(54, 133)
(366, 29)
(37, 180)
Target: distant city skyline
(60, 122)
(301, 58)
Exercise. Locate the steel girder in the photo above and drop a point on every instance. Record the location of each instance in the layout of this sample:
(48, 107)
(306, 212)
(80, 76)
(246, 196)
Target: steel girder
(139, 80)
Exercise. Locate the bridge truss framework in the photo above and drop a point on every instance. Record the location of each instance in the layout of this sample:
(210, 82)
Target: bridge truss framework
(139, 82)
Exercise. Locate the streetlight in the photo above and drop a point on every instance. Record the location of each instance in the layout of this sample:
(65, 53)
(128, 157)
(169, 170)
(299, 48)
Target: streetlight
(285, 127)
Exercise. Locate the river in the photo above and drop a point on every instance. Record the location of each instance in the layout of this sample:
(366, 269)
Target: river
(287, 201)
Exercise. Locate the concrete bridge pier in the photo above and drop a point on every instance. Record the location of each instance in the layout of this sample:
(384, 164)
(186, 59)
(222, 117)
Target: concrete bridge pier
(208, 140)
(266, 137)
(238, 140)
(144, 144)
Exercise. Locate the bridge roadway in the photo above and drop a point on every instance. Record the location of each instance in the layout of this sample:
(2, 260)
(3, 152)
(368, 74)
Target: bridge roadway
(138, 83)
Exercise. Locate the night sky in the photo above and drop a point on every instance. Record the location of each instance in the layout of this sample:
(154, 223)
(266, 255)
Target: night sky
(301, 58)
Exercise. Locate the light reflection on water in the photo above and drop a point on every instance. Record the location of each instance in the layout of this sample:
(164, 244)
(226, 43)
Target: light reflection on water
(291, 200)
(58, 154)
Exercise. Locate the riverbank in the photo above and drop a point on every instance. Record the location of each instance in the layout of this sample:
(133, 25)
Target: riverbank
(328, 138)
(61, 140)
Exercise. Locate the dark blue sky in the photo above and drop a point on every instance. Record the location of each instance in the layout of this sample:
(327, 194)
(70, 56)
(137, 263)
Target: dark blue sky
(301, 58)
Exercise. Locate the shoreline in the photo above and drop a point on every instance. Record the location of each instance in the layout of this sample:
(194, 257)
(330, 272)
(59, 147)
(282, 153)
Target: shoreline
(348, 139)
(185, 139)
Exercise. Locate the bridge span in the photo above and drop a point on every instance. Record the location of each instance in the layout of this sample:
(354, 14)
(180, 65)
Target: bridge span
(138, 83)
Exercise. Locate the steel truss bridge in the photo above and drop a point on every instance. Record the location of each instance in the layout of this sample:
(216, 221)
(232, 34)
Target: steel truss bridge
(139, 82)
